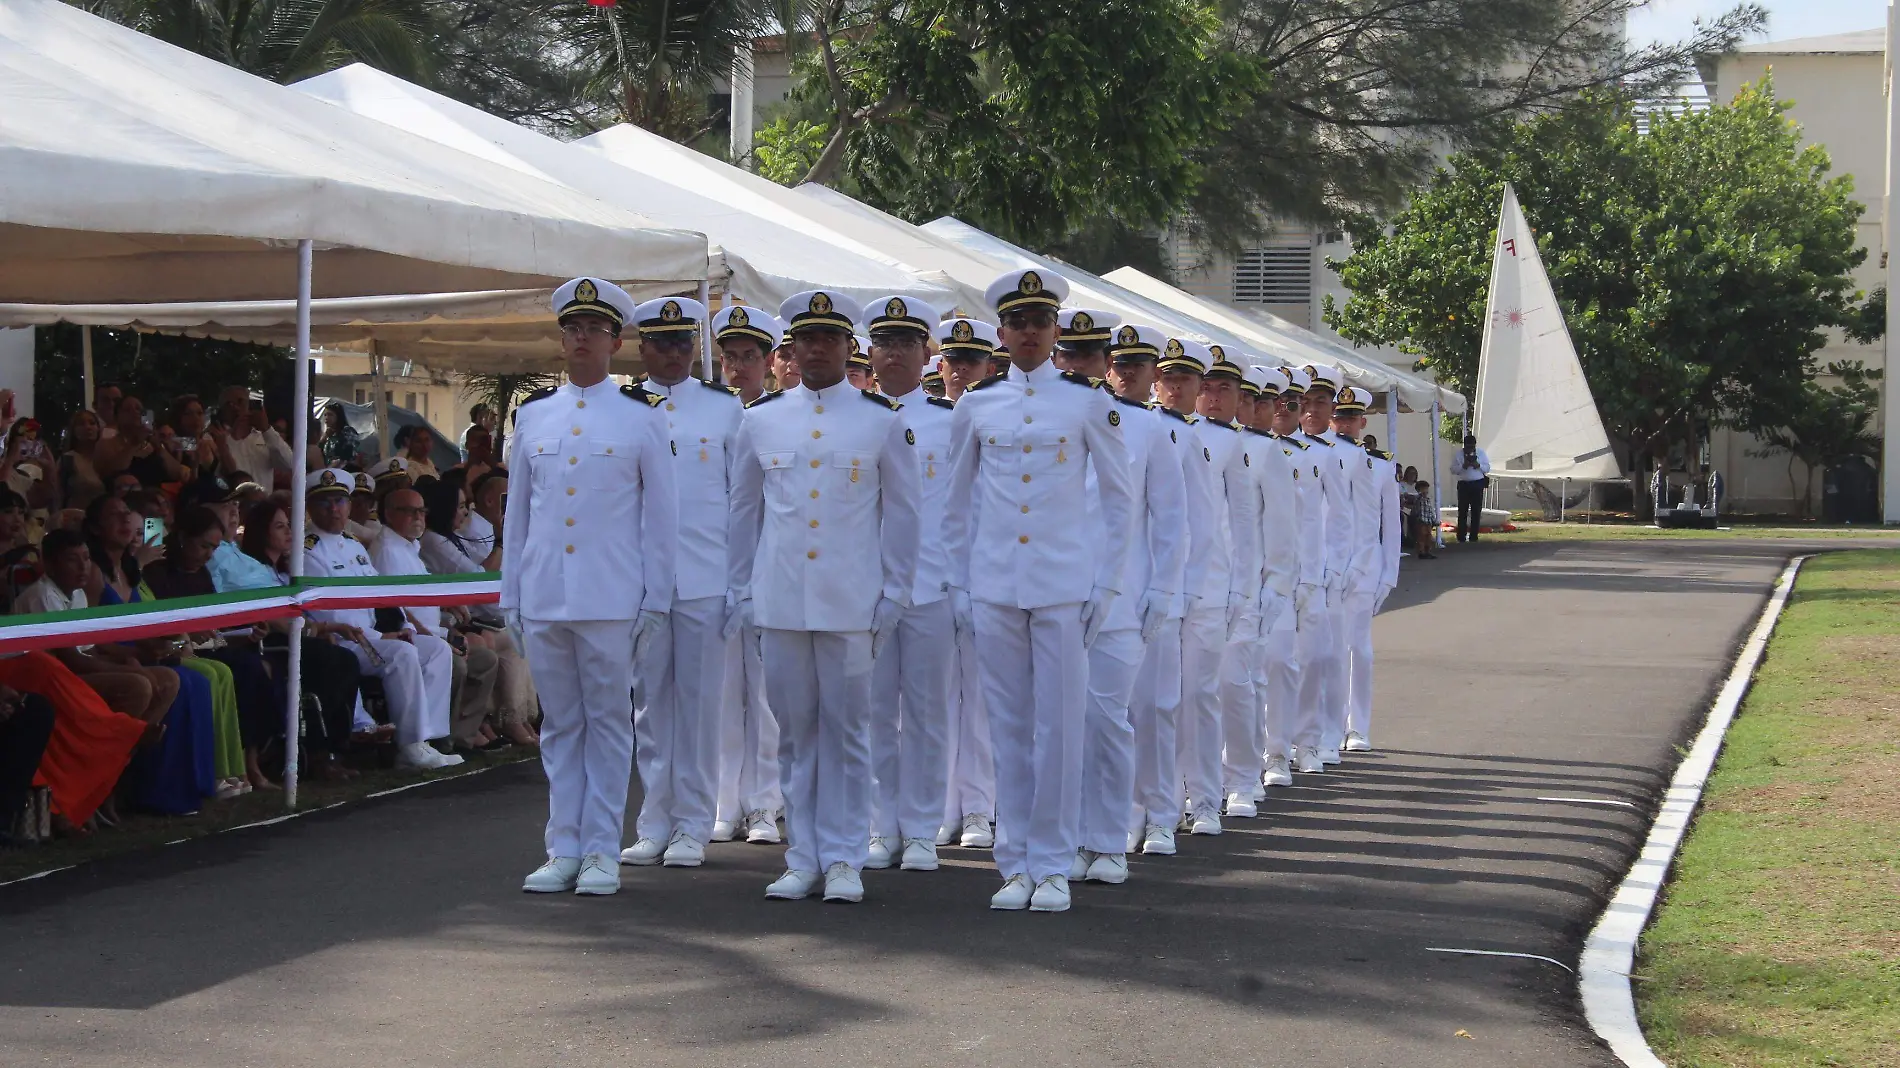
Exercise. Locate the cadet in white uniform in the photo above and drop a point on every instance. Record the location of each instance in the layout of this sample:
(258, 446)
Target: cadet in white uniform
(417, 669)
(1320, 700)
(1035, 578)
(824, 558)
(970, 801)
(1277, 683)
(1374, 563)
(587, 566)
(1157, 557)
(676, 729)
(910, 683)
(748, 800)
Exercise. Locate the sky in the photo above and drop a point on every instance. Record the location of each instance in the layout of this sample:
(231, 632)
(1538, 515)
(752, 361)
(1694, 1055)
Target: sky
(1669, 20)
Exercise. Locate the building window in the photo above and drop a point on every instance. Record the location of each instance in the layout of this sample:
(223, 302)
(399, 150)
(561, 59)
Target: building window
(409, 402)
(1275, 274)
(362, 395)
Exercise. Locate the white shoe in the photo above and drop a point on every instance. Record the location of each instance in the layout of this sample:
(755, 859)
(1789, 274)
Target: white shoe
(880, 855)
(919, 855)
(724, 831)
(1052, 895)
(1206, 820)
(794, 885)
(1157, 841)
(421, 756)
(1277, 773)
(684, 851)
(946, 834)
(554, 877)
(1111, 868)
(977, 833)
(1134, 842)
(761, 828)
(842, 883)
(1329, 755)
(1079, 867)
(1240, 806)
(643, 853)
(1259, 792)
(1014, 895)
(1310, 763)
(1357, 743)
(598, 876)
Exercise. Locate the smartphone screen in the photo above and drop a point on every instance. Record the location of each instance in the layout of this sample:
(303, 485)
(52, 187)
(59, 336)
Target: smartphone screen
(154, 530)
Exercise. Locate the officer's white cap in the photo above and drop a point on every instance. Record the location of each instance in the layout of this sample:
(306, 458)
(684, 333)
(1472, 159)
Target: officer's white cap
(595, 296)
(1034, 288)
(1267, 379)
(1222, 365)
(1324, 377)
(326, 481)
(1352, 401)
(820, 307)
(390, 468)
(1133, 341)
(1085, 325)
(899, 312)
(1297, 381)
(1185, 354)
(966, 338)
(737, 321)
(669, 315)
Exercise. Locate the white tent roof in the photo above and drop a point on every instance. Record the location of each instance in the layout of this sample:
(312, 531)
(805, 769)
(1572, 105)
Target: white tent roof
(137, 171)
(761, 256)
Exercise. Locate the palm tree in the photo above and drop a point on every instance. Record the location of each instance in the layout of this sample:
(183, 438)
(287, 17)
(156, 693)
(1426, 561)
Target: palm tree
(287, 40)
(648, 56)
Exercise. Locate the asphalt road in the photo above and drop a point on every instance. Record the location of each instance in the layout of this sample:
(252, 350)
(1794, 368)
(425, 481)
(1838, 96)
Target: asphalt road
(394, 933)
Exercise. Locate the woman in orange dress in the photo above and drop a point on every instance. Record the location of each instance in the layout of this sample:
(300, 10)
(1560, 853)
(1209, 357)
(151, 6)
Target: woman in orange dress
(90, 745)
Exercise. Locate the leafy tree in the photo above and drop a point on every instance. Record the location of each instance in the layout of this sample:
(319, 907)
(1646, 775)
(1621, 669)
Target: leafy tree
(653, 58)
(1699, 265)
(286, 40)
(1826, 425)
(156, 368)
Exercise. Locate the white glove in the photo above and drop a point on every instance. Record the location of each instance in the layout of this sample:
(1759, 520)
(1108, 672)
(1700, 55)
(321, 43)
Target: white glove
(1095, 613)
(962, 612)
(644, 628)
(738, 616)
(884, 623)
(1155, 608)
(1272, 606)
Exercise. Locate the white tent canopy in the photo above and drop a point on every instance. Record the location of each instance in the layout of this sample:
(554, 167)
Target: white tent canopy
(135, 171)
(760, 256)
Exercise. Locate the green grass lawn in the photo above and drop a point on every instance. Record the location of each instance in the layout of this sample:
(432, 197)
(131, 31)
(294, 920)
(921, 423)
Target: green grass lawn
(1778, 939)
(1576, 530)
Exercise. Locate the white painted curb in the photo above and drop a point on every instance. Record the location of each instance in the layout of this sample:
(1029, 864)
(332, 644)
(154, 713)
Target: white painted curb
(1603, 976)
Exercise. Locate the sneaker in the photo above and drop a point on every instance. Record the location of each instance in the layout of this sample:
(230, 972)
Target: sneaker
(555, 877)
(1110, 868)
(599, 876)
(1014, 896)
(977, 833)
(1133, 843)
(1079, 867)
(880, 856)
(724, 831)
(919, 855)
(1052, 895)
(421, 756)
(1258, 791)
(761, 828)
(946, 834)
(1278, 773)
(794, 885)
(1309, 762)
(643, 853)
(1157, 841)
(842, 883)
(684, 851)
(1240, 806)
(1329, 755)
(1357, 743)
(1206, 820)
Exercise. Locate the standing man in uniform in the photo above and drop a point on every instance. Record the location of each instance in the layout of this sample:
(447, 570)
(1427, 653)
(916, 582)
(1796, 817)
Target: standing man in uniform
(1277, 684)
(824, 487)
(587, 569)
(1320, 699)
(1035, 578)
(1367, 587)
(748, 801)
(676, 730)
(970, 801)
(1244, 693)
(910, 683)
(1157, 558)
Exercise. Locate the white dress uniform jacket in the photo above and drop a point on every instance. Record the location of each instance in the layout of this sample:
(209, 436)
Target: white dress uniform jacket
(1309, 494)
(1391, 531)
(417, 676)
(1231, 564)
(928, 419)
(1368, 507)
(701, 421)
(1279, 525)
(1335, 481)
(1159, 540)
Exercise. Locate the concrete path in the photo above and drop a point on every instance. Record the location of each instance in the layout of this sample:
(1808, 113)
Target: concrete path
(1517, 683)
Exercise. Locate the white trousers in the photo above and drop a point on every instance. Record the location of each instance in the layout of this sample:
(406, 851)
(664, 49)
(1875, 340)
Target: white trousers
(1153, 712)
(748, 736)
(1108, 743)
(1198, 730)
(1035, 683)
(584, 673)
(1314, 640)
(819, 686)
(1359, 663)
(1242, 719)
(1333, 712)
(418, 678)
(910, 718)
(1278, 684)
(676, 727)
(971, 763)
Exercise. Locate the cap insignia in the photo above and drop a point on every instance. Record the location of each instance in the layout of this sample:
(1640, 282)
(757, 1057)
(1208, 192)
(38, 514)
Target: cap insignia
(1030, 285)
(1082, 321)
(1128, 336)
(896, 308)
(670, 312)
(1175, 351)
(328, 478)
(738, 318)
(1217, 352)
(586, 291)
(962, 332)
(820, 304)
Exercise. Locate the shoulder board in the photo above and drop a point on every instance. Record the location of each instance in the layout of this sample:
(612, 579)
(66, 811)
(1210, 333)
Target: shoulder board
(990, 381)
(768, 395)
(1172, 414)
(539, 394)
(1235, 427)
(880, 399)
(1296, 442)
(941, 402)
(1130, 403)
(1081, 379)
(347, 536)
(1380, 454)
(639, 392)
(719, 388)
(1321, 441)
(1256, 430)
(309, 541)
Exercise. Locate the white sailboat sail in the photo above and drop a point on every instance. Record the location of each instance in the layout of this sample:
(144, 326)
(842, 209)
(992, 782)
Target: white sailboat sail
(1536, 417)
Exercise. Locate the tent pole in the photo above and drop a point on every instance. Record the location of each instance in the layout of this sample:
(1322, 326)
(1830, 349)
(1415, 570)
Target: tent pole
(379, 400)
(1392, 422)
(85, 359)
(300, 433)
(705, 330)
(1563, 499)
(1438, 478)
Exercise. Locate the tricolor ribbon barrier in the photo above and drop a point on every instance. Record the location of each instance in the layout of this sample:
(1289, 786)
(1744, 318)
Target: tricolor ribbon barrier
(152, 619)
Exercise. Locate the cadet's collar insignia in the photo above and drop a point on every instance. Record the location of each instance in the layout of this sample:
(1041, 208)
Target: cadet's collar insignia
(670, 312)
(910, 436)
(1128, 336)
(1082, 323)
(820, 304)
(1030, 285)
(895, 308)
(961, 332)
(328, 478)
(586, 292)
(1175, 351)
(738, 318)
(1114, 417)
(641, 393)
